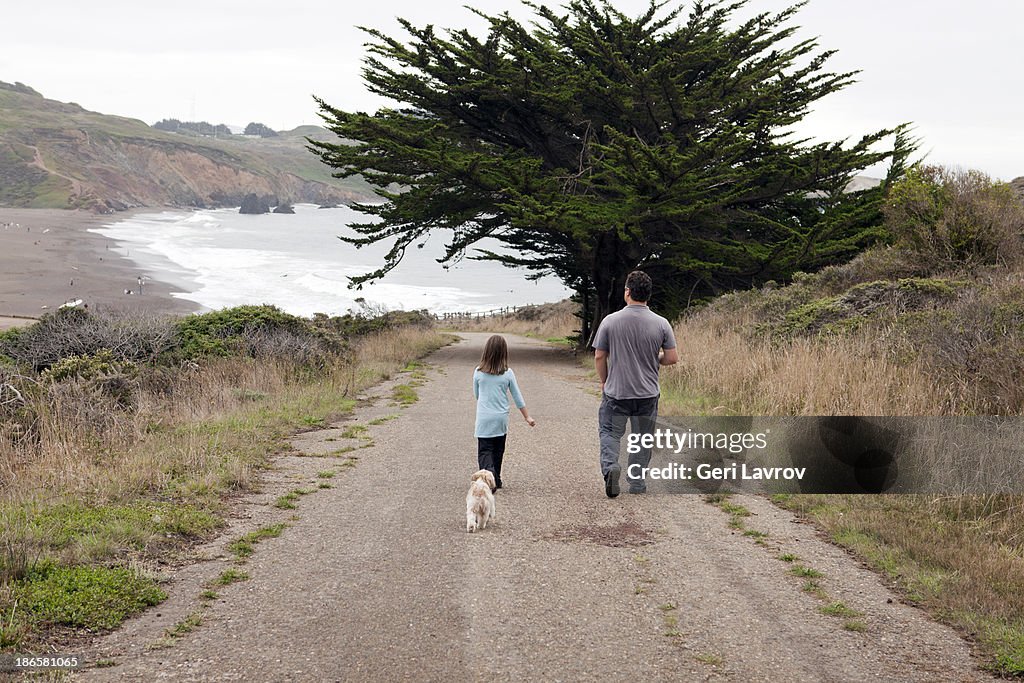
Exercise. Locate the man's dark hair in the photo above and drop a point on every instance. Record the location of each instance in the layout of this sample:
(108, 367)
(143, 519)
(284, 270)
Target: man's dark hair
(639, 285)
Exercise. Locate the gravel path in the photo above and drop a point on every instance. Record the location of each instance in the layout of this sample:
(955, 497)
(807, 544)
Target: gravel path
(376, 578)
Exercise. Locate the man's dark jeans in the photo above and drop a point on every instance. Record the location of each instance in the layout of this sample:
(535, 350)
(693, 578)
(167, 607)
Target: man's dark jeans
(641, 414)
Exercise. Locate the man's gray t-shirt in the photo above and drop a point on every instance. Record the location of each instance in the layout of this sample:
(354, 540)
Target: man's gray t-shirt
(633, 337)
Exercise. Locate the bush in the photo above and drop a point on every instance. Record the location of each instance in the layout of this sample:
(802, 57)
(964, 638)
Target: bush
(369, 321)
(100, 364)
(223, 332)
(975, 344)
(99, 375)
(951, 220)
(877, 263)
(77, 332)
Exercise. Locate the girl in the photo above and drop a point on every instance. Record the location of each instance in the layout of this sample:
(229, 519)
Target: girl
(492, 382)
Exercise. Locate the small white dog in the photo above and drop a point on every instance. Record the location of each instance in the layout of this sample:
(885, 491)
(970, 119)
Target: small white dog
(480, 501)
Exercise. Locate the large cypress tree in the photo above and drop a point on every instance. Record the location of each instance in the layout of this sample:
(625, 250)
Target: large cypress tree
(591, 144)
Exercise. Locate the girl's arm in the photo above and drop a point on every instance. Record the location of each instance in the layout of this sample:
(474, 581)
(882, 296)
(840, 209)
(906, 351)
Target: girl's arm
(476, 385)
(517, 396)
(526, 416)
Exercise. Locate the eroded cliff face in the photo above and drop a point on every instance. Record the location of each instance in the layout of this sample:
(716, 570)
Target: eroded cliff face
(106, 173)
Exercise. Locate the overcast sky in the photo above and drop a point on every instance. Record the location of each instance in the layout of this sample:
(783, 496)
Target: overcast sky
(950, 68)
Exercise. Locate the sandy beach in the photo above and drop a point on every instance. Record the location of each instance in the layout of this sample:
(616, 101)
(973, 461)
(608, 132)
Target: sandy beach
(48, 257)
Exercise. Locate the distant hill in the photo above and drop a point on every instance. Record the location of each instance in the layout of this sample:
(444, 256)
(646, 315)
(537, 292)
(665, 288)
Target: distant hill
(59, 155)
(862, 182)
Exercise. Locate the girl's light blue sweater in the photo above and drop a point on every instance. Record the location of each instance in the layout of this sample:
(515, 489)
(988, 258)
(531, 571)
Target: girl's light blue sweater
(491, 392)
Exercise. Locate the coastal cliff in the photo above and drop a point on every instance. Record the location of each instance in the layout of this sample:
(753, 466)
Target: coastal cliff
(59, 155)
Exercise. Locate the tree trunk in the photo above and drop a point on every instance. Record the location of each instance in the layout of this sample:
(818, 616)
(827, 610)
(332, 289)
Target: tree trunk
(584, 294)
(609, 282)
(613, 261)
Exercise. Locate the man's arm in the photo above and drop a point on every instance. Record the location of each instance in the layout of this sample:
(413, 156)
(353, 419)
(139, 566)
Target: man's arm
(668, 354)
(601, 365)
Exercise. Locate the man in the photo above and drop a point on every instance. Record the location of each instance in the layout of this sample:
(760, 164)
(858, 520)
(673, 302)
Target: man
(630, 347)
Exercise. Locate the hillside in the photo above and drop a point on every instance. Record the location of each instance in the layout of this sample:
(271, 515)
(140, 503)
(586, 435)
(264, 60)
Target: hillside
(59, 155)
(929, 324)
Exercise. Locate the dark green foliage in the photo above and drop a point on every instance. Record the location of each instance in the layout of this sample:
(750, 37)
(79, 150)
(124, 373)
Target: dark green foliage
(592, 143)
(261, 130)
(221, 333)
(194, 127)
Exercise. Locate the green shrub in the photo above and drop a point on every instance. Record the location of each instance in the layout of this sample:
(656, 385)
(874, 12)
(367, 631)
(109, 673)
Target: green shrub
(100, 374)
(268, 332)
(220, 333)
(88, 367)
(950, 220)
(813, 316)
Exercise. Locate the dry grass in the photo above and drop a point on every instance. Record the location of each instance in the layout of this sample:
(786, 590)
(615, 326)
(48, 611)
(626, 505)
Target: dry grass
(803, 377)
(960, 557)
(181, 439)
(96, 481)
(182, 422)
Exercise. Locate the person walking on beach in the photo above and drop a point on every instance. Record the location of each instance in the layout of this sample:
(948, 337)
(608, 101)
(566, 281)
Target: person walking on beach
(493, 381)
(630, 347)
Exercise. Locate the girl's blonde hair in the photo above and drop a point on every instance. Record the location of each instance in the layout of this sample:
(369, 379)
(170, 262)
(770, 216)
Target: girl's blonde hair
(494, 360)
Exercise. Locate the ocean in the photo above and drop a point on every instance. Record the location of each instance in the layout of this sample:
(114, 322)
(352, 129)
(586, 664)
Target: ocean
(220, 258)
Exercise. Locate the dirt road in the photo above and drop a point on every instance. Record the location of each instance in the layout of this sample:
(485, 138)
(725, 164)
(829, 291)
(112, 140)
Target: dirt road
(377, 579)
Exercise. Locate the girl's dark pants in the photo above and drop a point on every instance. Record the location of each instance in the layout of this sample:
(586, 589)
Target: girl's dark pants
(489, 452)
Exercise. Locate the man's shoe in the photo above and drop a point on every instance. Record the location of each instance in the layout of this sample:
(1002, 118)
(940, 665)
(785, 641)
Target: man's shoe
(638, 489)
(611, 481)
